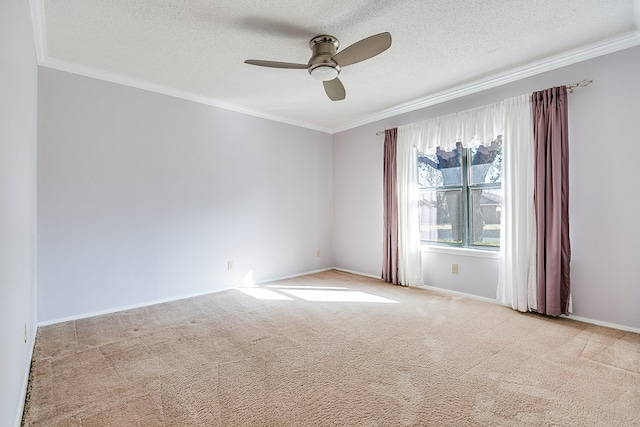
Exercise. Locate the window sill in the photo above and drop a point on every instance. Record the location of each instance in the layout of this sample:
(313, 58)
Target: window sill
(478, 253)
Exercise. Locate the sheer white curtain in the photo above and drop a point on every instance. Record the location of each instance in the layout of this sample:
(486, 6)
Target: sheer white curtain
(512, 119)
(409, 257)
(472, 128)
(517, 280)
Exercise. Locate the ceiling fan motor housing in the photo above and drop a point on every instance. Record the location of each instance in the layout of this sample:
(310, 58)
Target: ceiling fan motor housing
(321, 64)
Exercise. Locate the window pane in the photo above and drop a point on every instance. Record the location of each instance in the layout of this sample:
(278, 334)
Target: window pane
(485, 217)
(444, 168)
(441, 216)
(486, 163)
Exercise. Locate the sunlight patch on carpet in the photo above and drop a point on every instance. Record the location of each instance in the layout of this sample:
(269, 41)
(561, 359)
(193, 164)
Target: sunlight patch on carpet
(313, 294)
(336, 296)
(262, 293)
(337, 288)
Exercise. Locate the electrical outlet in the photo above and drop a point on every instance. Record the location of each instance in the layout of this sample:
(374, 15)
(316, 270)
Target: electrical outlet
(318, 253)
(229, 265)
(454, 268)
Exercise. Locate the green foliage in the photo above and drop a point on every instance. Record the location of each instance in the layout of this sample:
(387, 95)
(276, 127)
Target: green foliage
(489, 243)
(457, 242)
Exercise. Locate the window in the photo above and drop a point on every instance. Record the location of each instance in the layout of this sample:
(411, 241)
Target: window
(460, 192)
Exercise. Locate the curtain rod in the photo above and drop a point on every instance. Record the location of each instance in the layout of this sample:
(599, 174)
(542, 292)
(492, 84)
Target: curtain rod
(581, 83)
(570, 88)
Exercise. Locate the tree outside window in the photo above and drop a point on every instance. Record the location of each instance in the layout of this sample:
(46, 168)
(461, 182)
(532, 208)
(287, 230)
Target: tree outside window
(460, 193)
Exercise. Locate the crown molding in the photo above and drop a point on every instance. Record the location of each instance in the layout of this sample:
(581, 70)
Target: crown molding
(166, 90)
(529, 70)
(39, 29)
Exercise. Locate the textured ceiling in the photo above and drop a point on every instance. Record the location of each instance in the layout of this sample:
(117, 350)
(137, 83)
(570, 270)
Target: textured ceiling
(196, 48)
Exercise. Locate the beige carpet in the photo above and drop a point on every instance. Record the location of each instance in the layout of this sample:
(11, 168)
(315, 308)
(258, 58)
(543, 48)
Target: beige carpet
(364, 354)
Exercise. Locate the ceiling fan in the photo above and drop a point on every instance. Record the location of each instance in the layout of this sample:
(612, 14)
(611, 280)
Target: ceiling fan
(325, 63)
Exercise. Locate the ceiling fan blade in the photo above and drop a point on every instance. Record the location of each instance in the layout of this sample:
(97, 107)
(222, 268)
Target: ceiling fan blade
(334, 89)
(364, 49)
(276, 64)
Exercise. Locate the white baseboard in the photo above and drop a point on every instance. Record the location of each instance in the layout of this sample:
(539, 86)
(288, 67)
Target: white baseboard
(576, 318)
(356, 272)
(25, 381)
(459, 294)
(127, 307)
(275, 279)
(165, 300)
(493, 301)
(605, 324)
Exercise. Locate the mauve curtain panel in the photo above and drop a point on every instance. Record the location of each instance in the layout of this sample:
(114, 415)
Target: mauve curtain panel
(390, 201)
(551, 199)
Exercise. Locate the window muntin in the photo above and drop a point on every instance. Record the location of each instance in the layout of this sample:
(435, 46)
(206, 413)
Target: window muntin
(460, 193)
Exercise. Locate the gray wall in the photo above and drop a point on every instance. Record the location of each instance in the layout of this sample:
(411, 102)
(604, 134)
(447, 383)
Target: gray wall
(144, 197)
(604, 152)
(18, 144)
